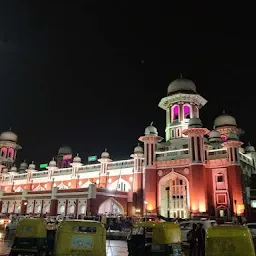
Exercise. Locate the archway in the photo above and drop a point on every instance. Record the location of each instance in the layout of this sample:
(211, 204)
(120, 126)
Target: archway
(222, 212)
(111, 206)
(173, 196)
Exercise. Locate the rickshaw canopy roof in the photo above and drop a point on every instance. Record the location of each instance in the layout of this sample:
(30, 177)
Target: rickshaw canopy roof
(229, 240)
(163, 232)
(32, 227)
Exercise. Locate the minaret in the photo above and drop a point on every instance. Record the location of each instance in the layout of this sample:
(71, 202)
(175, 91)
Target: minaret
(31, 169)
(195, 133)
(150, 140)
(51, 168)
(234, 172)
(250, 151)
(215, 139)
(198, 195)
(8, 148)
(181, 103)
(137, 182)
(77, 162)
(104, 161)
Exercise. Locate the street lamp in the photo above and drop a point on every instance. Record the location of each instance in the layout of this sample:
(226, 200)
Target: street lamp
(145, 203)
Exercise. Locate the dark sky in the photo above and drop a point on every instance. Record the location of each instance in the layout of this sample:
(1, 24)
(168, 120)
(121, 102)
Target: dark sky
(91, 75)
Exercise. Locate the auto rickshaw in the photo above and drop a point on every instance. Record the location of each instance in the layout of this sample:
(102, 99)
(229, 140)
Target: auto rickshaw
(80, 237)
(155, 238)
(31, 238)
(229, 240)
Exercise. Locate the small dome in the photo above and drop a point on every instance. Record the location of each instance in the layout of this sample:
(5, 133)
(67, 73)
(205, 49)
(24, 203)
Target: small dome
(65, 151)
(138, 150)
(151, 130)
(5, 170)
(232, 136)
(77, 159)
(195, 122)
(32, 166)
(224, 120)
(181, 84)
(14, 169)
(214, 134)
(8, 136)
(53, 163)
(105, 154)
(249, 149)
(23, 166)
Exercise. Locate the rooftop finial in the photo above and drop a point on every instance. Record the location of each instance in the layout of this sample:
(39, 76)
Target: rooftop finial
(10, 128)
(223, 111)
(249, 143)
(77, 154)
(138, 144)
(53, 159)
(151, 123)
(105, 150)
(181, 76)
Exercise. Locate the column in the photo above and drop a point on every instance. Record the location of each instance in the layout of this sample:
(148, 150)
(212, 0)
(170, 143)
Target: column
(54, 202)
(24, 202)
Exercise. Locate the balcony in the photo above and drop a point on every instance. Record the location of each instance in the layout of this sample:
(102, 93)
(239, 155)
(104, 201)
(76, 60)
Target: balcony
(172, 155)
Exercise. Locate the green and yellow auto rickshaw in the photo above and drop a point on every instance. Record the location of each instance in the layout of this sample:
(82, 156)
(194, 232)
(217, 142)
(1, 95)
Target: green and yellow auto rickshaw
(31, 238)
(155, 238)
(80, 237)
(232, 240)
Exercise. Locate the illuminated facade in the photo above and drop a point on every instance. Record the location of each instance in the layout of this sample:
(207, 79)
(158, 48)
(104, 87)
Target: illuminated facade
(194, 171)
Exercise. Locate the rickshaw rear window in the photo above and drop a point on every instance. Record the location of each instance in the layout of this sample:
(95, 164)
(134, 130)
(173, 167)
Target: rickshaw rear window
(83, 229)
(27, 229)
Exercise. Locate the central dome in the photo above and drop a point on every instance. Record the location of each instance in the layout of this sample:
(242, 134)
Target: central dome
(9, 136)
(181, 84)
(65, 151)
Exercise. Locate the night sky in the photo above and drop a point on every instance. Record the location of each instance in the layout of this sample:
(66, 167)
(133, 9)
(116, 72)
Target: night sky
(91, 76)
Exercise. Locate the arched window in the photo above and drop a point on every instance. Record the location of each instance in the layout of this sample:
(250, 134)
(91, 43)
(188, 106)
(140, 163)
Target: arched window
(3, 152)
(10, 152)
(172, 133)
(175, 113)
(186, 111)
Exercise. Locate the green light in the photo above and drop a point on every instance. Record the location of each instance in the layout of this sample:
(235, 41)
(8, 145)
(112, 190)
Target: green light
(42, 166)
(92, 158)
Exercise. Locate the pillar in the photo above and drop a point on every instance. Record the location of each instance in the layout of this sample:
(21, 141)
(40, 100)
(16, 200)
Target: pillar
(54, 202)
(91, 204)
(130, 203)
(24, 202)
(1, 199)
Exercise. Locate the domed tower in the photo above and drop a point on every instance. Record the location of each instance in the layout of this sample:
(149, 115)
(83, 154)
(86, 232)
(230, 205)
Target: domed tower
(226, 124)
(215, 139)
(181, 103)
(64, 157)
(150, 140)
(8, 148)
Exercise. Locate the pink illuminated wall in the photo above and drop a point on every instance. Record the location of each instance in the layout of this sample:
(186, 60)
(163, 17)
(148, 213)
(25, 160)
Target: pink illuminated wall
(4, 152)
(186, 111)
(10, 153)
(175, 113)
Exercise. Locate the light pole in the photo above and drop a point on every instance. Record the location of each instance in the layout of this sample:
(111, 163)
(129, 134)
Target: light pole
(145, 203)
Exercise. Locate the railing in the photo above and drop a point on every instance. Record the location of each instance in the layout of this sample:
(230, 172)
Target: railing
(172, 154)
(22, 176)
(217, 154)
(121, 164)
(246, 159)
(62, 171)
(39, 174)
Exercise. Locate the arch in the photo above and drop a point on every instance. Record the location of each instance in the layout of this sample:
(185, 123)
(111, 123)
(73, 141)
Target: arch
(187, 111)
(3, 152)
(175, 110)
(18, 189)
(120, 185)
(86, 184)
(111, 206)
(62, 186)
(10, 153)
(39, 188)
(173, 175)
(225, 211)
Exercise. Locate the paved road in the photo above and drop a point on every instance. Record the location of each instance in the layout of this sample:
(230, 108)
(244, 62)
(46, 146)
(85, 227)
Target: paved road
(114, 247)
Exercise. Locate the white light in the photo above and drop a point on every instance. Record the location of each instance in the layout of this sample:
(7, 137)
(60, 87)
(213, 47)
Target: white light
(145, 202)
(97, 181)
(109, 180)
(131, 179)
(253, 203)
(80, 183)
(69, 184)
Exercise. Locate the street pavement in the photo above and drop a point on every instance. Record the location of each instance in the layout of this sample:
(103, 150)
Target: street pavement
(113, 247)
